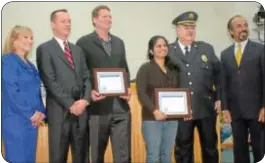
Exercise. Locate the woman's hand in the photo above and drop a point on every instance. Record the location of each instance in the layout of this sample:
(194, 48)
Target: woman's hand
(37, 118)
(159, 115)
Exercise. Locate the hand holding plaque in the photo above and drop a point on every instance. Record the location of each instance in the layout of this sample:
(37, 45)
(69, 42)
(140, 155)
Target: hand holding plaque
(96, 96)
(110, 81)
(173, 102)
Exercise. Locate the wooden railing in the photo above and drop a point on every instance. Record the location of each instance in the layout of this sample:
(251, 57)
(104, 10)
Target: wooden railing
(138, 152)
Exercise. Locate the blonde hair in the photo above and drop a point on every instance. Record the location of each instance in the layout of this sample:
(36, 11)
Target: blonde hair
(12, 36)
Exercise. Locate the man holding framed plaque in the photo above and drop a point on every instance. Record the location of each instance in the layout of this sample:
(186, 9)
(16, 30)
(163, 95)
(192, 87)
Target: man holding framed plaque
(200, 72)
(157, 82)
(109, 112)
(110, 81)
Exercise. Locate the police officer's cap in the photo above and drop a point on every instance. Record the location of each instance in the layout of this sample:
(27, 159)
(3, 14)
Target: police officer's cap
(189, 17)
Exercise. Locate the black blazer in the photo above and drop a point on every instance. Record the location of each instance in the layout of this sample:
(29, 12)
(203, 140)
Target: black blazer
(97, 57)
(243, 88)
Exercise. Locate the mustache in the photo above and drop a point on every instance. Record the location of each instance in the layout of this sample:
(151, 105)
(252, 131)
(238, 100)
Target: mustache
(245, 31)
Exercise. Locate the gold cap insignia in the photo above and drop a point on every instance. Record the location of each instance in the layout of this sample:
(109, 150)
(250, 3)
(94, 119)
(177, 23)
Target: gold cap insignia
(191, 16)
(204, 58)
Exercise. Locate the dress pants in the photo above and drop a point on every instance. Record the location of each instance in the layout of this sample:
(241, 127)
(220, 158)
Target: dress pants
(72, 131)
(117, 127)
(208, 137)
(241, 128)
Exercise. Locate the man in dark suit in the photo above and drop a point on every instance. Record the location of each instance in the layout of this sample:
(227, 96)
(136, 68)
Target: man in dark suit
(109, 116)
(243, 90)
(199, 71)
(66, 77)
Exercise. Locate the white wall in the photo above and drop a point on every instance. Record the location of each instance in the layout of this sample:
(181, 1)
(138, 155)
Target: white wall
(134, 22)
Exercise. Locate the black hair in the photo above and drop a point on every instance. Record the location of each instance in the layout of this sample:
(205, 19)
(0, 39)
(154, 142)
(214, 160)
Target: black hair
(151, 44)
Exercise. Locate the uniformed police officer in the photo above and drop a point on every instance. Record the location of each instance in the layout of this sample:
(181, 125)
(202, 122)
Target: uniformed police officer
(199, 71)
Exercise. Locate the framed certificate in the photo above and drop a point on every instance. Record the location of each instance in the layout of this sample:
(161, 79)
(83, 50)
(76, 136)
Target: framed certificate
(110, 81)
(174, 102)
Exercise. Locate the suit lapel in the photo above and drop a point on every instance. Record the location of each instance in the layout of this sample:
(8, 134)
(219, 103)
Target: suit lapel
(114, 49)
(30, 68)
(178, 52)
(35, 71)
(193, 52)
(99, 43)
(232, 57)
(59, 51)
(246, 52)
(75, 57)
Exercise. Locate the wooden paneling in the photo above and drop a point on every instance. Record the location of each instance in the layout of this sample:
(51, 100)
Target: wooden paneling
(138, 148)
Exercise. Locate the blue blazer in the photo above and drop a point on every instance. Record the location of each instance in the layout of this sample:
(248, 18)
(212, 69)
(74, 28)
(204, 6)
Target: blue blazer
(21, 89)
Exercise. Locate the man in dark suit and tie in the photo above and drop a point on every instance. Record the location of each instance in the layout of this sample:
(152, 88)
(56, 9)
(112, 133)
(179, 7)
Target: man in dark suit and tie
(109, 116)
(199, 71)
(66, 78)
(243, 90)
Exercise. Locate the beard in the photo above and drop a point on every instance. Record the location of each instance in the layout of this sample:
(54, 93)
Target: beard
(243, 35)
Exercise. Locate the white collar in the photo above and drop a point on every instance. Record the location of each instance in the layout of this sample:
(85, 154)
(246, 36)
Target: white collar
(243, 45)
(60, 41)
(183, 47)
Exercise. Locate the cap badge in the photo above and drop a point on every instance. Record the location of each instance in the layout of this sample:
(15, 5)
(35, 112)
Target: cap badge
(191, 16)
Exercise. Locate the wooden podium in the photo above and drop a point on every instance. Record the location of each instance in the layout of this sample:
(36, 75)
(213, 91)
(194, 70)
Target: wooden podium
(138, 152)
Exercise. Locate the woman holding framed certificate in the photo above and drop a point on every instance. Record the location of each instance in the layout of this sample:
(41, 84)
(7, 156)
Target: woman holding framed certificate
(158, 130)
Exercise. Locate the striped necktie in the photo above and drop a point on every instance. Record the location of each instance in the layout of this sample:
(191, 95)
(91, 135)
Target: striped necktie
(68, 54)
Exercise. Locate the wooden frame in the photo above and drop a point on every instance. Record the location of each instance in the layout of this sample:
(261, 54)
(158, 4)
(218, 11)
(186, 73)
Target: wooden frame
(107, 70)
(185, 90)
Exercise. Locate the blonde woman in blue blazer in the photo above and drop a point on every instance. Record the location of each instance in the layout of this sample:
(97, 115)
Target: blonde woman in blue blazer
(22, 106)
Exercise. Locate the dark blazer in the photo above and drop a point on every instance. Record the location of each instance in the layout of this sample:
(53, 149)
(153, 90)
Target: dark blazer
(243, 88)
(61, 80)
(200, 72)
(97, 57)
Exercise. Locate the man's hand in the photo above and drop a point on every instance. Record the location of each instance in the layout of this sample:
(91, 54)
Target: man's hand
(127, 96)
(96, 96)
(261, 115)
(218, 106)
(188, 118)
(78, 107)
(227, 116)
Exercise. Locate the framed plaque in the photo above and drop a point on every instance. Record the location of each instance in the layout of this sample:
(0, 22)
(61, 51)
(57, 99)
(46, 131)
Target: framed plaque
(110, 81)
(173, 102)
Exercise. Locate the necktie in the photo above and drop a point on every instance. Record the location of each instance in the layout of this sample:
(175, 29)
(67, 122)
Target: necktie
(68, 54)
(238, 54)
(186, 51)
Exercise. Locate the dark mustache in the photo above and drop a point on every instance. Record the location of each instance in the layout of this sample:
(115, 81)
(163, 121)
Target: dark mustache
(245, 31)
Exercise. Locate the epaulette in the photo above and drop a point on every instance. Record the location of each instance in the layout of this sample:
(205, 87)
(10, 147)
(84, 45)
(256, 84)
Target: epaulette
(199, 42)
